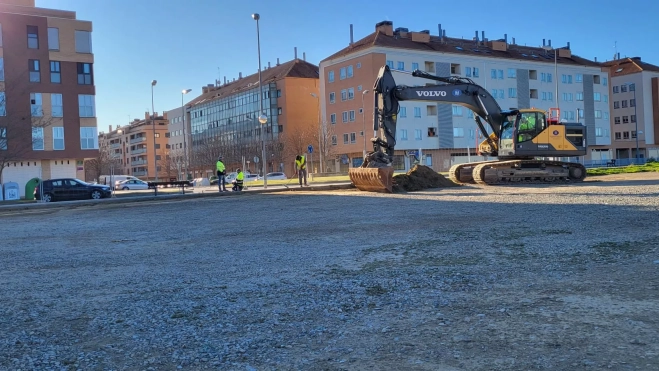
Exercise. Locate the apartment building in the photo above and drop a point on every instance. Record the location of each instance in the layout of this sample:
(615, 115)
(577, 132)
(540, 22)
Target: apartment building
(177, 142)
(47, 93)
(635, 109)
(224, 119)
(517, 76)
(132, 147)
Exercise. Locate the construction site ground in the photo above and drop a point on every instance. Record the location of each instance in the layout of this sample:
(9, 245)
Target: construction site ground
(464, 278)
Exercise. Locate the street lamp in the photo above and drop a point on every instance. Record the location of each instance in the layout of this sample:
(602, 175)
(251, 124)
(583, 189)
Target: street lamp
(263, 119)
(185, 145)
(113, 157)
(153, 124)
(632, 86)
(364, 121)
(320, 133)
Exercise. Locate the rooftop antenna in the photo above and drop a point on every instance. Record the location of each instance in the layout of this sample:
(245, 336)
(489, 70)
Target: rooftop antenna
(615, 50)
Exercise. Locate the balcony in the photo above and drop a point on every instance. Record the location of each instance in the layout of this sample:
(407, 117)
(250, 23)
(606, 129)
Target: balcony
(137, 140)
(138, 151)
(139, 173)
(138, 162)
(115, 145)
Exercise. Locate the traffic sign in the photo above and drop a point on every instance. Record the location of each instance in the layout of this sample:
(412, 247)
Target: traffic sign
(310, 148)
(256, 160)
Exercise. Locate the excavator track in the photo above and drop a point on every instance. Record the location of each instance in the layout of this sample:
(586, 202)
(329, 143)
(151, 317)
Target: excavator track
(528, 172)
(462, 173)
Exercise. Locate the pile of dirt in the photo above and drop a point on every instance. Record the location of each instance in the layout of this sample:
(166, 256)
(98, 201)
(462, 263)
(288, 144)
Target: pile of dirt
(419, 178)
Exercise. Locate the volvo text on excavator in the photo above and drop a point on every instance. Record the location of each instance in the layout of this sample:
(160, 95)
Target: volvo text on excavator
(520, 138)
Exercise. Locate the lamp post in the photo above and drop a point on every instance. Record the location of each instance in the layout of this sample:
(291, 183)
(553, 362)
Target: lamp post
(185, 135)
(113, 157)
(320, 134)
(153, 125)
(364, 122)
(633, 87)
(263, 119)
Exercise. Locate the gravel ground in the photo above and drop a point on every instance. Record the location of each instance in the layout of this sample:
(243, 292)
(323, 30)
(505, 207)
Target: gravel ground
(469, 278)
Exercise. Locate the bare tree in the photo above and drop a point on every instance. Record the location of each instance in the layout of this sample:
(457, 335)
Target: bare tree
(172, 164)
(104, 164)
(327, 140)
(17, 140)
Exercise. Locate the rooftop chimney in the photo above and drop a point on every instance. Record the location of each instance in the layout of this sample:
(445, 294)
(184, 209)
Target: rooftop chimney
(476, 38)
(295, 49)
(568, 45)
(240, 75)
(483, 36)
(595, 59)
(225, 80)
(513, 41)
(268, 64)
(439, 26)
(304, 56)
(544, 42)
(351, 35)
(505, 38)
(618, 55)
(443, 34)
(549, 43)
(110, 127)
(277, 61)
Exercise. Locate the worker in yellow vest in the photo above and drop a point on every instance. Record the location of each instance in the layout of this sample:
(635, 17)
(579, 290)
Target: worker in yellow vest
(301, 168)
(238, 182)
(221, 180)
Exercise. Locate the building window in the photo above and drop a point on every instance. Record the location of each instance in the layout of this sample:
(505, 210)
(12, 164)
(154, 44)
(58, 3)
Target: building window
(401, 66)
(605, 81)
(428, 160)
(334, 141)
(359, 88)
(432, 132)
(512, 92)
(58, 138)
(86, 105)
(2, 69)
(415, 66)
(85, 74)
(330, 76)
(403, 134)
(500, 74)
(533, 74)
(351, 93)
(633, 134)
(606, 98)
(617, 136)
(632, 103)
(512, 73)
(579, 96)
(578, 77)
(36, 106)
(346, 138)
(402, 112)
(359, 64)
(431, 110)
(625, 135)
(344, 94)
(616, 89)
(623, 88)
(493, 74)
(468, 71)
(624, 104)
(633, 118)
(53, 38)
(606, 115)
(353, 138)
(342, 73)
(598, 97)
(533, 93)
(390, 64)
(417, 111)
(455, 68)
(625, 119)
(616, 120)
(89, 138)
(279, 110)
(55, 72)
(37, 139)
(332, 97)
(3, 105)
(458, 132)
(616, 105)
(549, 77)
(35, 72)
(352, 115)
(476, 73)
(83, 42)
(57, 108)
(418, 134)
(350, 71)
(3, 138)
(333, 118)
(598, 132)
(344, 116)
(457, 110)
(33, 37)
(598, 114)
(596, 79)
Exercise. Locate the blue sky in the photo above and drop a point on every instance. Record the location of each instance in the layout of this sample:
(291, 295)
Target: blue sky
(181, 43)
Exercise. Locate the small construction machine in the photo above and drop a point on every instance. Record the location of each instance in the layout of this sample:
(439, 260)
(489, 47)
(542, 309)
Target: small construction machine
(522, 140)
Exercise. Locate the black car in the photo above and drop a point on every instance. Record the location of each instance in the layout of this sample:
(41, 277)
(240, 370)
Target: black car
(67, 189)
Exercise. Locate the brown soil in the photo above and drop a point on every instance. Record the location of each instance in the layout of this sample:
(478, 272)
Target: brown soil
(419, 178)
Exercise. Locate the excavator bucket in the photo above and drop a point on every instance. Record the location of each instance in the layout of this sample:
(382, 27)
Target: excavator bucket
(372, 179)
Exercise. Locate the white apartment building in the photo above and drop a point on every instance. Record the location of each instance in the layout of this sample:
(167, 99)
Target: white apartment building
(635, 109)
(516, 76)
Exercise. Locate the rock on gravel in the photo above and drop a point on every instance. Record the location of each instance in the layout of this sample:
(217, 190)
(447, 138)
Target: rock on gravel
(464, 278)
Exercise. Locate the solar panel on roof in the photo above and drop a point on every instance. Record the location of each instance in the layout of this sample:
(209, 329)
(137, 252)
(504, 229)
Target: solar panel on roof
(459, 48)
(524, 55)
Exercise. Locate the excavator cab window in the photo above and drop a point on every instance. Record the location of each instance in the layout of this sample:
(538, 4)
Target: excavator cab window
(507, 131)
(529, 124)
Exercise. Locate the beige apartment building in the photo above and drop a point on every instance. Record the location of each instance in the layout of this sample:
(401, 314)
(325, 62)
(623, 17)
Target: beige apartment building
(47, 93)
(132, 147)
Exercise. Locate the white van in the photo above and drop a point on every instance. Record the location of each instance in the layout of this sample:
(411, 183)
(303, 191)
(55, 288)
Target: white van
(107, 179)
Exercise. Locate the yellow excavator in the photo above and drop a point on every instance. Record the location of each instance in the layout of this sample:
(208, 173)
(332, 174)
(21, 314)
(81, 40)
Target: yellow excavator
(520, 138)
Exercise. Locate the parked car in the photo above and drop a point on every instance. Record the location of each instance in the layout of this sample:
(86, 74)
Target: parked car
(67, 189)
(276, 176)
(107, 179)
(247, 177)
(132, 184)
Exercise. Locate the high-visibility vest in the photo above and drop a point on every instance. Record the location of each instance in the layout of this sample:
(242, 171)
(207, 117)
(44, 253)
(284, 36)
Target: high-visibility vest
(220, 166)
(240, 177)
(301, 163)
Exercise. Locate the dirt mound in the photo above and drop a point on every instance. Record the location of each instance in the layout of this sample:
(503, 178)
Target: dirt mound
(419, 178)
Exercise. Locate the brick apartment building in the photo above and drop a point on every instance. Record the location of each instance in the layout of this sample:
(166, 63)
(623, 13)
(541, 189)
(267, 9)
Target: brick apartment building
(47, 93)
(224, 119)
(515, 75)
(132, 147)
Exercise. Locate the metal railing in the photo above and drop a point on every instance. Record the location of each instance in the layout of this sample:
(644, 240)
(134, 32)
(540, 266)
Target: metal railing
(138, 150)
(115, 145)
(138, 162)
(139, 173)
(137, 140)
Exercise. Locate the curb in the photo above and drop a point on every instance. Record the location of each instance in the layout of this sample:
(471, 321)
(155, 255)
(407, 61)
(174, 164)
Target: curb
(134, 199)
